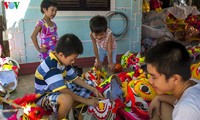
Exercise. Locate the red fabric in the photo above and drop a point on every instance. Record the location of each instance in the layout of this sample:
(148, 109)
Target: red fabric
(35, 113)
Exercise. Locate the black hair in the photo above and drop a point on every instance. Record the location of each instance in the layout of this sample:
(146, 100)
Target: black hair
(46, 4)
(170, 58)
(69, 44)
(98, 24)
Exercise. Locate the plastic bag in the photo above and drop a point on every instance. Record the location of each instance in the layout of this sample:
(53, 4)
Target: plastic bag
(182, 12)
(154, 26)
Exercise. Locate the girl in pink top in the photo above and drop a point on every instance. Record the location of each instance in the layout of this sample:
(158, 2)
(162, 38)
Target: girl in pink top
(103, 41)
(46, 29)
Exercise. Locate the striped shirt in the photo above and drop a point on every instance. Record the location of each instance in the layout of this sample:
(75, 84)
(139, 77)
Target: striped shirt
(51, 75)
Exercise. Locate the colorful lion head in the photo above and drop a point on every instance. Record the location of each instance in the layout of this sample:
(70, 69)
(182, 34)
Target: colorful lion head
(195, 69)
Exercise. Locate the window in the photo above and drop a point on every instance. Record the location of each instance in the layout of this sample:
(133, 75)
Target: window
(84, 5)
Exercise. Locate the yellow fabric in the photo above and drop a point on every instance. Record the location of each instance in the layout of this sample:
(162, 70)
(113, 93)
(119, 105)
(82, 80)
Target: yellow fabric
(39, 76)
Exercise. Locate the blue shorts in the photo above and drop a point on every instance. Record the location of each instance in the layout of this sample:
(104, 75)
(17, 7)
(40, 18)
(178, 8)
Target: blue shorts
(103, 53)
(49, 101)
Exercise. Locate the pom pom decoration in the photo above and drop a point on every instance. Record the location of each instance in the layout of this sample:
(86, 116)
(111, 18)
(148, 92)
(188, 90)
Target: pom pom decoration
(186, 28)
(155, 5)
(102, 111)
(117, 67)
(190, 32)
(125, 76)
(195, 69)
(129, 60)
(97, 76)
(194, 52)
(145, 6)
(27, 104)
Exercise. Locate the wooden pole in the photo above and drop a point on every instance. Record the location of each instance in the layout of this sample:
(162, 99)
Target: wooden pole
(10, 103)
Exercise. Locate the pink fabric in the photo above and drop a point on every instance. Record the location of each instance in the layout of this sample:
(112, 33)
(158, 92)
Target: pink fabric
(103, 42)
(48, 37)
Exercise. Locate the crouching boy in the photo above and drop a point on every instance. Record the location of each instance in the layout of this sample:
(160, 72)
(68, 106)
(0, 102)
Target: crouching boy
(57, 83)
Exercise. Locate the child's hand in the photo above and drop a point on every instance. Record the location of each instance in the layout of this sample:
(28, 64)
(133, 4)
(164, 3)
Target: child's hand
(154, 106)
(111, 66)
(92, 101)
(97, 93)
(97, 65)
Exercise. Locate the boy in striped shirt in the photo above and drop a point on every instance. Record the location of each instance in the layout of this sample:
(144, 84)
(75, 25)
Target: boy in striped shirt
(57, 83)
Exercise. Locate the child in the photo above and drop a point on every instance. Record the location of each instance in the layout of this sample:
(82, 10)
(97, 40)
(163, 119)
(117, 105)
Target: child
(103, 42)
(56, 81)
(168, 64)
(47, 29)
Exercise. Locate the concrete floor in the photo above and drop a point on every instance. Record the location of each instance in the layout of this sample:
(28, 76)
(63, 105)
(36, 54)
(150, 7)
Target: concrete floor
(25, 86)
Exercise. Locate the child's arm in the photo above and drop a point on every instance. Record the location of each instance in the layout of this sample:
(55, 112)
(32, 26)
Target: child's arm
(82, 83)
(110, 55)
(34, 39)
(95, 51)
(155, 103)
